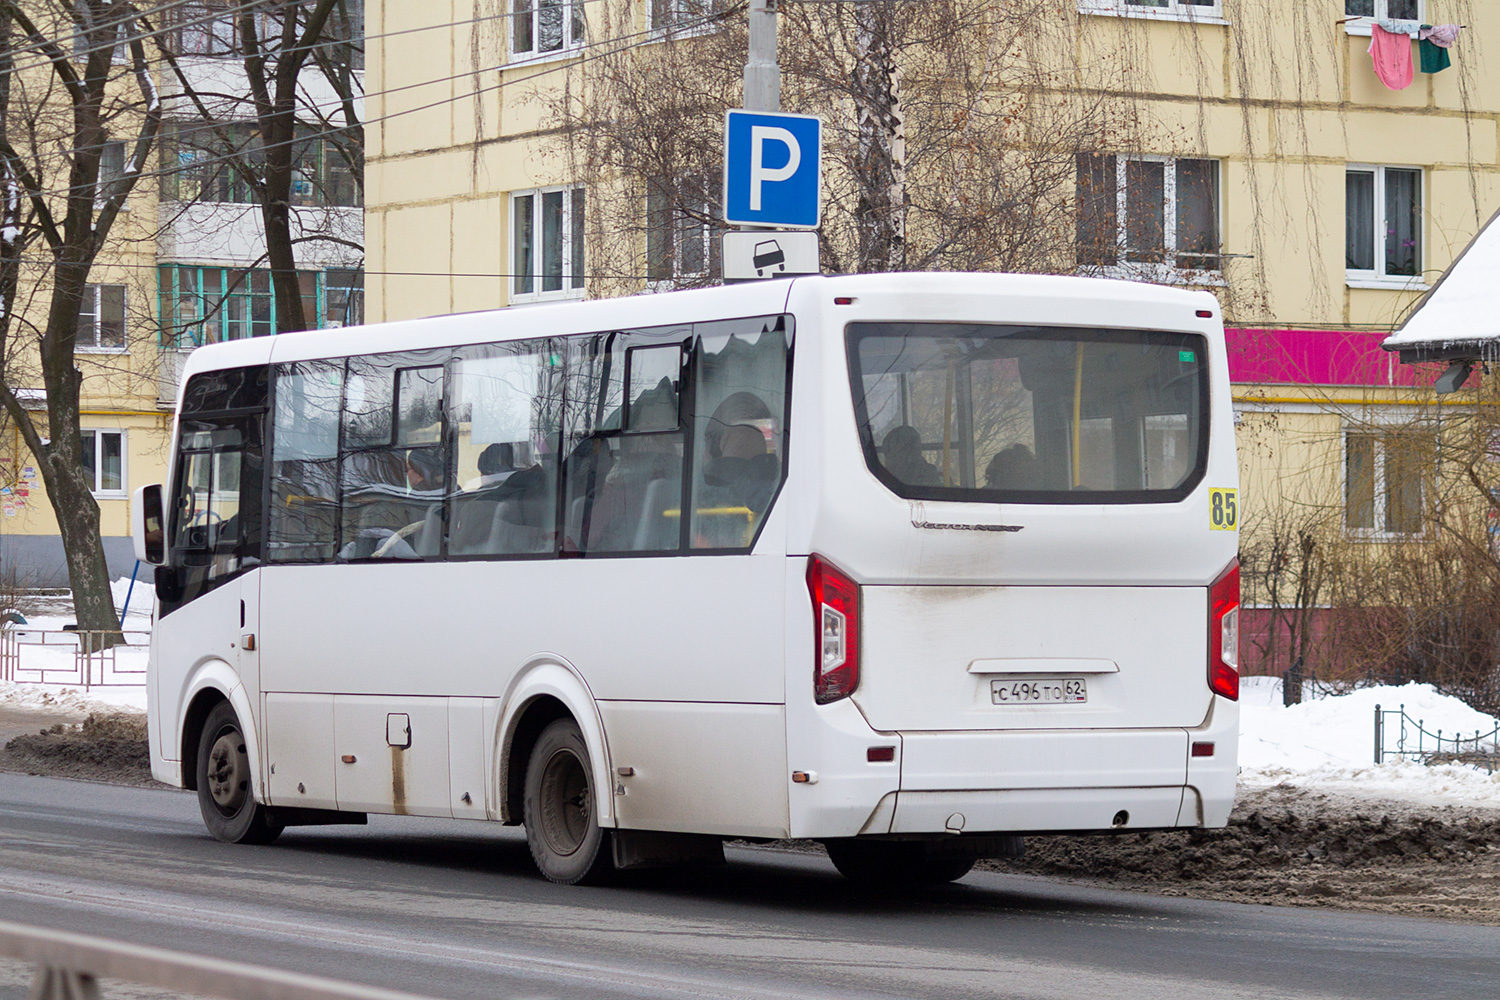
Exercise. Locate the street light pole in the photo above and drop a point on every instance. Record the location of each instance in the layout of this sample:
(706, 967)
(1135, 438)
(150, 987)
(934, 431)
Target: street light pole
(762, 74)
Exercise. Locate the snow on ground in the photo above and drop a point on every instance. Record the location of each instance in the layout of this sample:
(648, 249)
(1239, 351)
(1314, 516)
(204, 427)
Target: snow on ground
(55, 661)
(1329, 743)
(71, 698)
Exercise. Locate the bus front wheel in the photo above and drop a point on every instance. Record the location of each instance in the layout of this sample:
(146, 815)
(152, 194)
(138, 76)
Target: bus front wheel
(899, 863)
(224, 795)
(560, 809)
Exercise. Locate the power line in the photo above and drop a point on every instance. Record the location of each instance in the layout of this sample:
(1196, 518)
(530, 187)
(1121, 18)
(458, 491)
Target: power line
(641, 38)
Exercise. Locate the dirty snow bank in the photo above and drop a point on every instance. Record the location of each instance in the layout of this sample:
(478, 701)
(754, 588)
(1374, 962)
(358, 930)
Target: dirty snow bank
(71, 698)
(1329, 743)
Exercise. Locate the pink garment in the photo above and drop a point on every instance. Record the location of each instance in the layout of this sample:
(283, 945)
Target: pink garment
(1442, 35)
(1392, 57)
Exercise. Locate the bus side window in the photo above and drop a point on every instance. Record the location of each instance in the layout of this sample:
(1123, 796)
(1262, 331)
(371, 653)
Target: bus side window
(739, 433)
(303, 520)
(624, 442)
(507, 416)
(393, 466)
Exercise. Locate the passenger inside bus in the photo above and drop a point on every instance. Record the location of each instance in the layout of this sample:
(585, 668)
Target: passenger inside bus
(1012, 468)
(496, 463)
(903, 457)
(645, 481)
(424, 477)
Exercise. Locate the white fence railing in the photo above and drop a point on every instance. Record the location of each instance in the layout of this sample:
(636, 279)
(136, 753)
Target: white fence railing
(85, 657)
(69, 967)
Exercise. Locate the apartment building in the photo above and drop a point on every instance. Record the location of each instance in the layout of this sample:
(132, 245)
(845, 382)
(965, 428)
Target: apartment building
(186, 266)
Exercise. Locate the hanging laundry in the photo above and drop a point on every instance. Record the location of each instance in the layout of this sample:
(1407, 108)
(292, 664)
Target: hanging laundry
(1391, 54)
(1433, 59)
(1411, 28)
(1433, 44)
(1442, 35)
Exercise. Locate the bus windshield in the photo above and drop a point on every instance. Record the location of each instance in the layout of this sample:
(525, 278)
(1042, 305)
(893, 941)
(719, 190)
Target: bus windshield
(1030, 414)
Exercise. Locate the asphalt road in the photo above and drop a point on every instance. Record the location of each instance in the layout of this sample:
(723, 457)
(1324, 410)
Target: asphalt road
(454, 910)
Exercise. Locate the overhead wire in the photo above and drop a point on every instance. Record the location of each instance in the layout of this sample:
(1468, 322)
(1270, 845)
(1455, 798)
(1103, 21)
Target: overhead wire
(565, 61)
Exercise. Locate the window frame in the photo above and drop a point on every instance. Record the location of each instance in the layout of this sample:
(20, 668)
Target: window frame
(1359, 24)
(1380, 436)
(98, 491)
(679, 226)
(212, 305)
(1379, 224)
(1165, 271)
(97, 291)
(664, 17)
(573, 285)
(574, 14)
(1174, 10)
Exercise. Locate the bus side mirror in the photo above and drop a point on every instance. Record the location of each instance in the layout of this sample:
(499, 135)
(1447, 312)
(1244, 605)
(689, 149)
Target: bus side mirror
(147, 525)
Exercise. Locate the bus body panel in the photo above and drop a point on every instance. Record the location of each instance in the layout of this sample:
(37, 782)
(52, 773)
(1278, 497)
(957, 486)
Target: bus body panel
(300, 754)
(949, 657)
(936, 762)
(699, 768)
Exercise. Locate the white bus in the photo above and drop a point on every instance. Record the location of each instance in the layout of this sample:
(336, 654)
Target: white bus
(911, 565)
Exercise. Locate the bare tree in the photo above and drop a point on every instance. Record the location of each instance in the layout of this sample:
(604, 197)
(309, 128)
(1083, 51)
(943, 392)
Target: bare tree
(56, 113)
(276, 41)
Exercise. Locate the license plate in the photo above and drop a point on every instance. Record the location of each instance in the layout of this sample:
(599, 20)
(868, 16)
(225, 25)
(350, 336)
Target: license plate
(1040, 691)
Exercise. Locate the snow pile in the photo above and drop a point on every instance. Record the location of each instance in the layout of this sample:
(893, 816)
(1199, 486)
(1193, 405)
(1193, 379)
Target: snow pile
(71, 699)
(1330, 743)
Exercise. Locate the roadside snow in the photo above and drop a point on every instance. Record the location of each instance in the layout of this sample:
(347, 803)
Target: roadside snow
(1329, 743)
(70, 698)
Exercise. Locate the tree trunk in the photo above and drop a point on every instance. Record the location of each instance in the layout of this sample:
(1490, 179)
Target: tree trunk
(881, 164)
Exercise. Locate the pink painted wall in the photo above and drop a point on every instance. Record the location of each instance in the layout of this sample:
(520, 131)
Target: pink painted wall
(1320, 357)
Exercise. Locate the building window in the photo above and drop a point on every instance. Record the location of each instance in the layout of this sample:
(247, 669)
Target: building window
(1184, 10)
(111, 168)
(1383, 482)
(343, 298)
(209, 164)
(101, 318)
(680, 234)
(201, 29)
(547, 242)
(207, 305)
(540, 27)
(104, 461)
(1148, 216)
(1383, 222)
(1385, 10)
(685, 15)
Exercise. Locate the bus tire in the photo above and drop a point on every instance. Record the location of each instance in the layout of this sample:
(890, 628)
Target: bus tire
(225, 796)
(885, 864)
(562, 824)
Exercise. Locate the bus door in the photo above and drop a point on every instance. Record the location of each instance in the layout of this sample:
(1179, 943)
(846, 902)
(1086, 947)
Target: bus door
(208, 592)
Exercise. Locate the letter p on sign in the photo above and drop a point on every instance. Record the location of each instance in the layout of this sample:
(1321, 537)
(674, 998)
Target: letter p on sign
(772, 170)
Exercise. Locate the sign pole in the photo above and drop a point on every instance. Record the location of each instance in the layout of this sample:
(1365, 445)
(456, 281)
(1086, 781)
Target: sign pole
(762, 74)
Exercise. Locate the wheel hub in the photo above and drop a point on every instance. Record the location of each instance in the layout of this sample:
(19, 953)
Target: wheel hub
(567, 805)
(228, 772)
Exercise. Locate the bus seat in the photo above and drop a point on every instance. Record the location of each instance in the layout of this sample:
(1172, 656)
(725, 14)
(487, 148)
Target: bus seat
(655, 530)
(429, 537)
(509, 536)
(472, 530)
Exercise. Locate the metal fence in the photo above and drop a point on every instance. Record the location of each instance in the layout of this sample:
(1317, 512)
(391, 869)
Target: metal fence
(69, 967)
(26, 654)
(1414, 741)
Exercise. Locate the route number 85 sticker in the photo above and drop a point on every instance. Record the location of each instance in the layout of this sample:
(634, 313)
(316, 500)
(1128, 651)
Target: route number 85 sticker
(1223, 510)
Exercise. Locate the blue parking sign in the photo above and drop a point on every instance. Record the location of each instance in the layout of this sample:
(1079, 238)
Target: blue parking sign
(772, 168)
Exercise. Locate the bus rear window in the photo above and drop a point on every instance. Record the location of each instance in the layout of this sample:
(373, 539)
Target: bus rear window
(1031, 414)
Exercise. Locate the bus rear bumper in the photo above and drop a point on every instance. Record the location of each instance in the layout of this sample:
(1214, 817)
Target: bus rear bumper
(1038, 810)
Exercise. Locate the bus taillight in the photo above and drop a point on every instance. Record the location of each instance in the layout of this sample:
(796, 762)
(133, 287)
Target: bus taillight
(835, 600)
(1224, 633)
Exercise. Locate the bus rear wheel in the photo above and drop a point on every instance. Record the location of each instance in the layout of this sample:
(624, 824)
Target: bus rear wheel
(224, 794)
(893, 863)
(559, 809)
